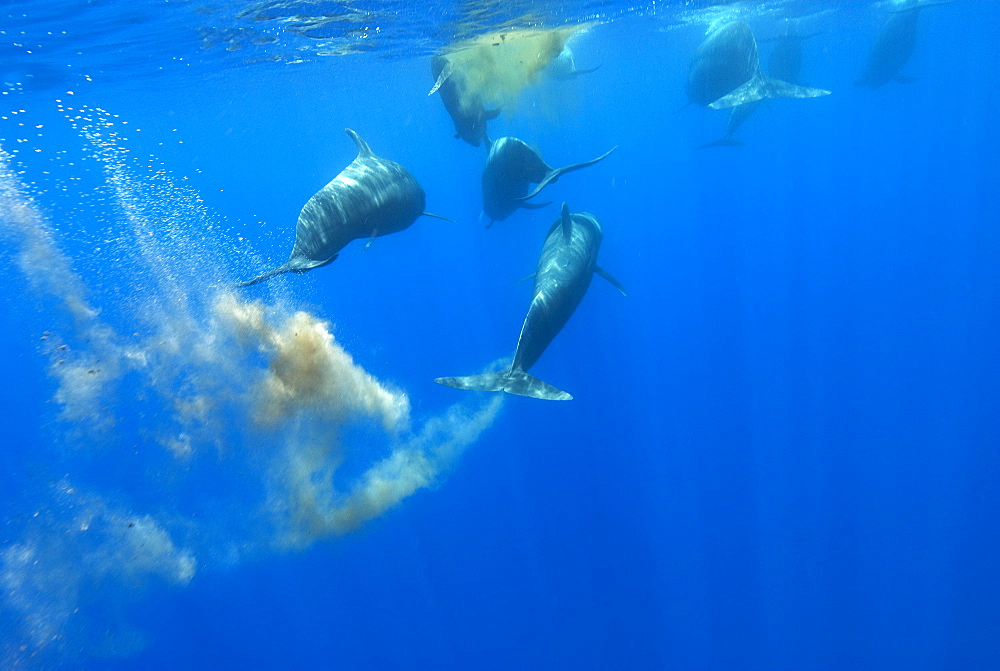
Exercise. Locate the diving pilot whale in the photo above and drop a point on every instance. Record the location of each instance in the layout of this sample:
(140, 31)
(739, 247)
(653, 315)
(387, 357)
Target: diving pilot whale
(510, 168)
(895, 44)
(371, 197)
(466, 112)
(725, 72)
(567, 264)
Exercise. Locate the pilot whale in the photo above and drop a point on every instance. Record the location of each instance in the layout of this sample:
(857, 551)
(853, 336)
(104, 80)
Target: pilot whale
(785, 62)
(895, 45)
(372, 196)
(566, 266)
(725, 72)
(469, 116)
(510, 168)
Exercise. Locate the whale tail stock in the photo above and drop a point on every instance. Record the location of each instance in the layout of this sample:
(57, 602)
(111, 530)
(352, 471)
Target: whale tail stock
(511, 381)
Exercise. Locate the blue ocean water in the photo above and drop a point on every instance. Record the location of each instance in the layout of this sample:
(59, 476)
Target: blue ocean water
(782, 451)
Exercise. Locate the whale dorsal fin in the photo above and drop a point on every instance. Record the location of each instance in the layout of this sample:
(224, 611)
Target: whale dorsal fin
(567, 223)
(363, 149)
(610, 278)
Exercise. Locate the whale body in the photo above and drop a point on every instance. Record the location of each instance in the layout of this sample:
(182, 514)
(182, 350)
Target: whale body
(565, 268)
(469, 116)
(371, 197)
(894, 45)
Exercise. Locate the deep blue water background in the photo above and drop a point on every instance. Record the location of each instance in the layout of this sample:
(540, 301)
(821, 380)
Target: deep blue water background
(783, 448)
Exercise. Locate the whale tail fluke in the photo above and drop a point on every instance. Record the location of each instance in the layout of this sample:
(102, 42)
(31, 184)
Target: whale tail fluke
(553, 175)
(511, 381)
(760, 87)
(723, 142)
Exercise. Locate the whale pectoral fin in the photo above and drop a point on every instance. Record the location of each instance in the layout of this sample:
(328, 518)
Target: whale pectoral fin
(280, 270)
(370, 241)
(553, 175)
(437, 216)
(610, 278)
(587, 71)
(290, 266)
(442, 78)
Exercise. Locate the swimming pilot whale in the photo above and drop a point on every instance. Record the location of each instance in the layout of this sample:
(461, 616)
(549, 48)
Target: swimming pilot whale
(510, 168)
(372, 196)
(725, 73)
(895, 44)
(785, 62)
(566, 266)
(469, 116)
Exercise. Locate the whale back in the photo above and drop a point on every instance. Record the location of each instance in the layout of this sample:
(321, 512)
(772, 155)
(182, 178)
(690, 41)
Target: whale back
(371, 197)
(565, 268)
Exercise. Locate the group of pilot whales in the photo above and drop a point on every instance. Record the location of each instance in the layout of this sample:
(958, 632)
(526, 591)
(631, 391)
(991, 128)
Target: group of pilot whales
(374, 196)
